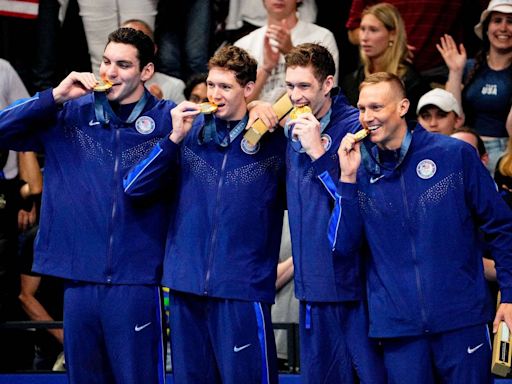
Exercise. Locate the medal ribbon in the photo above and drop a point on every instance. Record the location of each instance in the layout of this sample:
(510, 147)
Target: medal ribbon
(104, 112)
(210, 131)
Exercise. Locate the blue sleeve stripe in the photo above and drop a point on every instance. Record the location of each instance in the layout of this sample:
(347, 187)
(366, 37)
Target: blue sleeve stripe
(19, 103)
(334, 222)
(139, 168)
(328, 183)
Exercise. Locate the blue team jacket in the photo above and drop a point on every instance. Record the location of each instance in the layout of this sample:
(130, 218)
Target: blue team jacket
(421, 222)
(89, 230)
(225, 232)
(320, 276)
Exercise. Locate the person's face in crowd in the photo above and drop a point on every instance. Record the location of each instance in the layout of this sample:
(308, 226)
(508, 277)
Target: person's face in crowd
(374, 37)
(304, 89)
(280, 9)
(499, 31)
(471, 140)
(120, 65)
(434, 119)
(227, 93)
(381, 111)
(198, 94)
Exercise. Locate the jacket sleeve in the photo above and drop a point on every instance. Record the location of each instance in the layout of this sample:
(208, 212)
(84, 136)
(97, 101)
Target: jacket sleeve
(327, 171)
(327, 166)
(494, 218)
(345, 230)
(154, 171)
(21, 121)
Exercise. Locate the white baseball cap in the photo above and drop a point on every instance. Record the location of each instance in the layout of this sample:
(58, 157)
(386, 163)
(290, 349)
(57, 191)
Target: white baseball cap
(441, 99)
(503, 6)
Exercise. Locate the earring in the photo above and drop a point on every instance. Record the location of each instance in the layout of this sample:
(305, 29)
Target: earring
(390, 43)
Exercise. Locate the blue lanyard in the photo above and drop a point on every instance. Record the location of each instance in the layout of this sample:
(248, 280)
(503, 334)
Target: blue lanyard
(210, 131)
(104, 112)
(295, 144)
(370, 155)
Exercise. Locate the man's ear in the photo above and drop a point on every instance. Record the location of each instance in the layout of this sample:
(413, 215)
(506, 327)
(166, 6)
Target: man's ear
(328, 85)
(248, 89)
(404, 107)
(147, 72)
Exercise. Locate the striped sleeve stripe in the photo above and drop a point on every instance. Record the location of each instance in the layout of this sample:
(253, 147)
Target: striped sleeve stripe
(19, 103)
(139, 168)
(334, 222)
(328, 183)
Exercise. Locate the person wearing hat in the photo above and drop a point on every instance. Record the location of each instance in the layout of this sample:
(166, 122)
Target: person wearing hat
(484, 85)
(439, 112)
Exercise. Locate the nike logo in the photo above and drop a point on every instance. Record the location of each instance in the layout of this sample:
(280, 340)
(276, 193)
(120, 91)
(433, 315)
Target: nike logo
(92, 123)
(238, 349)
(138, 329)
(375, 179)
(471, 350)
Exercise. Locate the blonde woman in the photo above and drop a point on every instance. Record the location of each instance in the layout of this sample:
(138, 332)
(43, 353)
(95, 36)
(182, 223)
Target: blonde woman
(383, 48)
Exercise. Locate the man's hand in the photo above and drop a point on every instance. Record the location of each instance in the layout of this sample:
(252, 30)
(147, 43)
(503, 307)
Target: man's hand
(306, 128)
(504, 313)
(75, 85)
(349, 153)
(26, 219)
(183, 116)
(262, 110)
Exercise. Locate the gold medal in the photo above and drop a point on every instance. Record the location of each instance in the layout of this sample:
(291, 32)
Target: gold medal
(300, 110)
(102, 86)
(208, 107)
(360, 135)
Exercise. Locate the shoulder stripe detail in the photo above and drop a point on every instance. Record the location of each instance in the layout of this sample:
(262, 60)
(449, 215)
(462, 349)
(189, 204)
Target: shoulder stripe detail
(19, 103)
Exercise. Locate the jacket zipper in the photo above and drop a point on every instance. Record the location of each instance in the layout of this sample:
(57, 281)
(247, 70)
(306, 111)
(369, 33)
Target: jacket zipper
(301, 232)
(114, 207)
(213, 238)
(414, 257)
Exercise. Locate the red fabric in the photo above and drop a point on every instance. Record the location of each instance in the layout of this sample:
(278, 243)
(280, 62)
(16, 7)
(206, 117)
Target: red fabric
(25, 9)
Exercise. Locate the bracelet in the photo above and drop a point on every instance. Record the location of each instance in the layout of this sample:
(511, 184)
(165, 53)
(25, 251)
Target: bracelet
(267, 71)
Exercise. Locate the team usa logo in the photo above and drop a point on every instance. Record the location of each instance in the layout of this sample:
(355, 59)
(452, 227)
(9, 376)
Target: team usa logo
(145, 125)
(248, 148)
(326, 141)
(426, 169)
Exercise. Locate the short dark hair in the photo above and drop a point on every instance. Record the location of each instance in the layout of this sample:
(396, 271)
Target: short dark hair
(315, 55)
(142, 42)
(385, 77)
(192, 81)
(237, 60)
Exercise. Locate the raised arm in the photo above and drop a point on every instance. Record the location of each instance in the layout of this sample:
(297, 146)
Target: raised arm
(146, 177)
(75, 85)
(455, 58)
